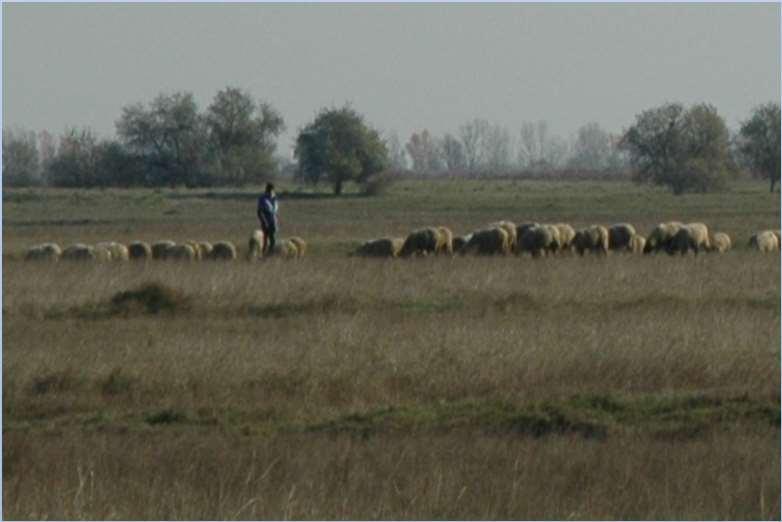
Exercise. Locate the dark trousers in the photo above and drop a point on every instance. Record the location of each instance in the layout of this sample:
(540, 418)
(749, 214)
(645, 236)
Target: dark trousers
(268, 240)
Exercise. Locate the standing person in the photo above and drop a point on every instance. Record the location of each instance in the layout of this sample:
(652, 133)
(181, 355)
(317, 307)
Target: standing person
(267, 215)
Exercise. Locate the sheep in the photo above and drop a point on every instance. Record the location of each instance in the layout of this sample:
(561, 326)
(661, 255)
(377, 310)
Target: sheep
(460, 242)
(444, 241)
(383, 247)
(79, 252)
(776, 233)
(204, 249)
(102, 252)
(593, 238)
(692, 236)
(160, 248)
(192, 243)
(183, 252)
(660, 236)
(489, 241)
(421, 242)
(285, 248)
(620, 235)
(637, 243)
(139, 250)
(556, 241)
(118, 251)
(300, 244)
(538, 240)
(764, 241)
(510, 228)
(720, 243)
(223, 251)
(566, 235)
(255, 244)
(44, 252)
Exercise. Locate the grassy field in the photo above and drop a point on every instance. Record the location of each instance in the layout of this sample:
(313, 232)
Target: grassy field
(333, 387)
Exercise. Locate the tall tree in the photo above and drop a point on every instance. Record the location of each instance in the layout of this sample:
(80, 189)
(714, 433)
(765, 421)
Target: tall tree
(592, 148)
(21, 164)
(339, 146)
(422, 149)
(170, 135)
(243, 134)
(473, 136)
(759, 142)
(452, 153)
(686, 150)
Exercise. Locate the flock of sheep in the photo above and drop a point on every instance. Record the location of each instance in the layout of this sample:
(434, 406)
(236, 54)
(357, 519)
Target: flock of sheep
(164, 250)
(500, 238)
(505, 237)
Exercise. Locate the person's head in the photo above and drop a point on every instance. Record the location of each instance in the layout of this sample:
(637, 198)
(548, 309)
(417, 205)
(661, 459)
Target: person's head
(270, 188)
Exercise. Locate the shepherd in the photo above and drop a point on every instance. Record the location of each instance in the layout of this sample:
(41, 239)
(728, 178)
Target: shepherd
(267, 215)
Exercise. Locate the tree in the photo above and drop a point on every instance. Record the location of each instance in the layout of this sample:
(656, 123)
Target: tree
(76, 162)
(592, 148)
(539, 151)
(396, 153)
(422, 149)
(497, 148)
(21, 164)
(338, 146)
(170, 135)
(452, 153)
(759, 144)
(243, 135)
(686, 150)
(473, 137)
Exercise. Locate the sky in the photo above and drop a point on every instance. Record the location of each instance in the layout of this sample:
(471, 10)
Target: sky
(406, 67)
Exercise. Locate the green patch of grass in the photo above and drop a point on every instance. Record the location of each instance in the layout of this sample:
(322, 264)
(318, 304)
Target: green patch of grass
(166, 416)
(151, 298)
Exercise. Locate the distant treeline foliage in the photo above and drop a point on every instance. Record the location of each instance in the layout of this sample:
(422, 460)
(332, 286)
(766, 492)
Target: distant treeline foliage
(170, 142)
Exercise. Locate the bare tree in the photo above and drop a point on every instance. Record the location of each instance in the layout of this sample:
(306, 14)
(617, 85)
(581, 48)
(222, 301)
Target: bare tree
(473, 136)
(452, 153)
(422, 149)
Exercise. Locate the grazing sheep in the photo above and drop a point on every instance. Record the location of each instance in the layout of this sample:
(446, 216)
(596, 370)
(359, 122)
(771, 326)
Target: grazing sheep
(255, 245)
(285, 248)
(566, 235)
(460, 242)
(692, 236)
(720, 243)
(538, 240)
(79, 252)
(776, 233)
(421, 242)
(764, 241)
(383, 247)
(444, 241)
(660, 236)
(103, 252)
(300, 244)
(139, 250)
(510, 228)
(556, 241)
(637, 243)
(489, 241)
(619, 236)
(44, 252)
(192, 243)
(160, 248)
(223, 251)
(180, 253)
(593, 239)
(204, 249)
(118, 251)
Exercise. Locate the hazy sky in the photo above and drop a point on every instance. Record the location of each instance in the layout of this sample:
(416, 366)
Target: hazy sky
(405, 66)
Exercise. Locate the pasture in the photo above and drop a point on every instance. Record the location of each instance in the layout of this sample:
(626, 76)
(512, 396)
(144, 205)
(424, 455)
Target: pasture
(334, 387)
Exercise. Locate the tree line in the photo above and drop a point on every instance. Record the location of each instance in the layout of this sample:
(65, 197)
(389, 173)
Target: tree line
(170, 142)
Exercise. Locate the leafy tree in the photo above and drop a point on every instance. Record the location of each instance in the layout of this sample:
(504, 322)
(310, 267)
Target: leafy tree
(338, 147)
(170, 135)
(21, 164)
(759, 143)
(686, 150)
(243, 134)
(76, 162)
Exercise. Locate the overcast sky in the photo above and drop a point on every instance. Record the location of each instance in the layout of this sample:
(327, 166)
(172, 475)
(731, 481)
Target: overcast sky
(406, 67)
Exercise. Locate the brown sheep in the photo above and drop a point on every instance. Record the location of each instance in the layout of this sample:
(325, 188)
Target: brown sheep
(489, 241)
(444, 241)
(637, 244)
(383, 247)
(538, 240)
(764, 241)
(160, 248)
(180, 253)
(620, 235)
(692, 236)
(593, 239)
(421, 242)
(223, 251)
(44, 252)
(720, 243)
(285, 248)
(660, 236)
(139, 250)
(510, 228)
(300, 244)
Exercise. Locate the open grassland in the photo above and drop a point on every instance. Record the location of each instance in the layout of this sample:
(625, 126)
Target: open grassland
(627, 387)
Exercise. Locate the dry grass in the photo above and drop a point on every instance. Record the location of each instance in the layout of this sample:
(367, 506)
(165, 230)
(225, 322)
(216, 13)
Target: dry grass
(333, 387)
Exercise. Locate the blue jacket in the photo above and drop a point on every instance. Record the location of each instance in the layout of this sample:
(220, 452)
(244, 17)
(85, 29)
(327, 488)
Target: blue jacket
(267, 211)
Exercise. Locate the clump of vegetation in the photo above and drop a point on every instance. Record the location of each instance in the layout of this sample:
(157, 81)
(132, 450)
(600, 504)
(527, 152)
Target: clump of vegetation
(151, 298)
